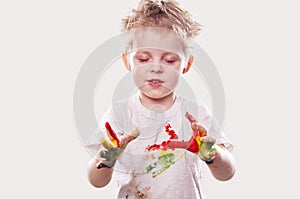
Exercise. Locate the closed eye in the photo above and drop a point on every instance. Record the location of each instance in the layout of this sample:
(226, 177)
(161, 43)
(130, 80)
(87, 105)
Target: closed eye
(169, 61)
(143, 60)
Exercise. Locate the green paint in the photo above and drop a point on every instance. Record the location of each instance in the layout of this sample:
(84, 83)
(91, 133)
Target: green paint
(206, 151)
(164, 161)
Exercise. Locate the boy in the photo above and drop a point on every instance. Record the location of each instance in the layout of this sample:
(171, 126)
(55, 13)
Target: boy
(174, 135)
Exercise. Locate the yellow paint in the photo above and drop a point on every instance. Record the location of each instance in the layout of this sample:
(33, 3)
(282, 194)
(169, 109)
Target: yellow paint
(198, 142)
(163, 153)
(105, 143)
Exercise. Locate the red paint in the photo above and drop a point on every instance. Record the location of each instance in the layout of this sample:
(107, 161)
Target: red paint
(169, 144)
(153, 147)
(174, 143)
(193, 145)
(112, 134)
(171, 133)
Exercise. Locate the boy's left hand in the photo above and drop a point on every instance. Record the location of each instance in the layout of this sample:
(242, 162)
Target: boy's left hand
(200, 143)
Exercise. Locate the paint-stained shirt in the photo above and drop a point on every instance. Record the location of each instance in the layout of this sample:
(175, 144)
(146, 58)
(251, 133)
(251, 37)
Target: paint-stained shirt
(160, 173)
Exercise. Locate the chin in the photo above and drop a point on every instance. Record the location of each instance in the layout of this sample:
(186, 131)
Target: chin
(157, 96)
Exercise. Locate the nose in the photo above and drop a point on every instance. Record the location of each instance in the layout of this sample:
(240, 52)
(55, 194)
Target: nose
(156, 68)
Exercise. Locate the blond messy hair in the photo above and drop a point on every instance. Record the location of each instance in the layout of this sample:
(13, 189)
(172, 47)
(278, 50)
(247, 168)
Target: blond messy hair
(162, 14)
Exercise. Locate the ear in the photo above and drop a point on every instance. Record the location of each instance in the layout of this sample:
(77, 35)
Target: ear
(126, 61)
(188, 65)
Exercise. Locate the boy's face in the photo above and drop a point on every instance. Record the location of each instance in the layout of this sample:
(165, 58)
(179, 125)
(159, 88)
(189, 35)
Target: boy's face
(156, 62)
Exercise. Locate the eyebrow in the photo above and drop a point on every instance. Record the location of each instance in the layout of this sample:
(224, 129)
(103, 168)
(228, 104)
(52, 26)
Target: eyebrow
(164, 54)
(142, 51)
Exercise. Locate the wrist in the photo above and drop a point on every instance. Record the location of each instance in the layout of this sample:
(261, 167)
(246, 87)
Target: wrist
(102, 165)
(209, 161)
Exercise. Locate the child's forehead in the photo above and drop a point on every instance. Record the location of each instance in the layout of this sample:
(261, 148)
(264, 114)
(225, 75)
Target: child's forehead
(156, 38)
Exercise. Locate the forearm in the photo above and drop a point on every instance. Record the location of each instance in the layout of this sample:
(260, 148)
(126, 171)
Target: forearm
(98, 177)
(223, 166)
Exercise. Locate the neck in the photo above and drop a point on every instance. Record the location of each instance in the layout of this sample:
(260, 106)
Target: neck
(165, 102)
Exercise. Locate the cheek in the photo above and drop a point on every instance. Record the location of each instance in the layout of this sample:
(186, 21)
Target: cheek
(174, 81)
(173, 75)
(137, 76)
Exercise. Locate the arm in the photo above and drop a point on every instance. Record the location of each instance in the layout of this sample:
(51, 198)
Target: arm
(223, 165)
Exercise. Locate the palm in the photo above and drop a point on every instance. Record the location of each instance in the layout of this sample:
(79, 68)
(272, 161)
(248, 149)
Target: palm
(114, 146)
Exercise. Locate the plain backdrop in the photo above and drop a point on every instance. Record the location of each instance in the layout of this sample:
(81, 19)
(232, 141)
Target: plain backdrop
(43, 44)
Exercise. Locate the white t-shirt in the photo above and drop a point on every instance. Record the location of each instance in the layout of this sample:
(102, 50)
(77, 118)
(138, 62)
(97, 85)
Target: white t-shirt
(158, 174)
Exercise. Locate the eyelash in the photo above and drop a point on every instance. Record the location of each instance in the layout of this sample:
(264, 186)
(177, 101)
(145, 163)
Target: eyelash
(168, 61)
(143, 60)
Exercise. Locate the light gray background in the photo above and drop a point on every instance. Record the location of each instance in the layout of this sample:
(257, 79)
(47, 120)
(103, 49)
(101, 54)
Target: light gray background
(254, 44)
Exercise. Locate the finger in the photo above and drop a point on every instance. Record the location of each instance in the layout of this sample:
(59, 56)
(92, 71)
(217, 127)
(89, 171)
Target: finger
(129, 137)
(206, 146)
(208, 139)
(198, 129)
(112, 135)
(190, 117)
(103, 154)
(208, 154)
(107, 145)
(193, 121)
(94, 146)
(211, 154)
(110, 157)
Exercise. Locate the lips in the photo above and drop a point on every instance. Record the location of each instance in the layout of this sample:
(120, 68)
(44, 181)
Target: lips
(155, 82)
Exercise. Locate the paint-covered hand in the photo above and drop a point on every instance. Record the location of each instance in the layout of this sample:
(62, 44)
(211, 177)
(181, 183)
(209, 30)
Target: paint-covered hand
(200, 143)
(114, 146)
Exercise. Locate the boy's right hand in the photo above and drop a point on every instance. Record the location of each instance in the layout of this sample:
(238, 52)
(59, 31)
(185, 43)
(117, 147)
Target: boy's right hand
(113, 148)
